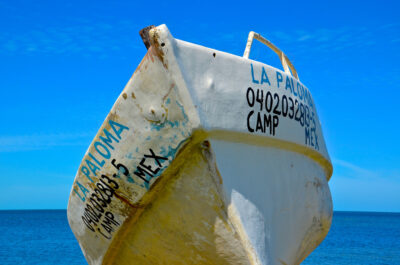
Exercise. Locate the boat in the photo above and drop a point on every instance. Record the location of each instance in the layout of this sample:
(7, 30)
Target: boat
(205, 158)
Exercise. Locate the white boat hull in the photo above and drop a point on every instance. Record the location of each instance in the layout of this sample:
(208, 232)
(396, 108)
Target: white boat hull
(199, 163)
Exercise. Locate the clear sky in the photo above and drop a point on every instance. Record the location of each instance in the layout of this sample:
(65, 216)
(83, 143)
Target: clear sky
(64, 63)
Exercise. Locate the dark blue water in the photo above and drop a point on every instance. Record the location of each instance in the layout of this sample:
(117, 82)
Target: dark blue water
(37, 237)
(44, 237)
(360, 238)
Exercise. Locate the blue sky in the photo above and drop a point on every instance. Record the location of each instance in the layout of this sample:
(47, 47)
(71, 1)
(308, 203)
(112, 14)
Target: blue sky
(63, 65)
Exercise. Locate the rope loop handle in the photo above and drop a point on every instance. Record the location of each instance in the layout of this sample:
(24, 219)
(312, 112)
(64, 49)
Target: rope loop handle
(286, 63)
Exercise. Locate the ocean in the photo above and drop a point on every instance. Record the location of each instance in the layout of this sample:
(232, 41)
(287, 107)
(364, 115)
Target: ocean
(44, 237)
